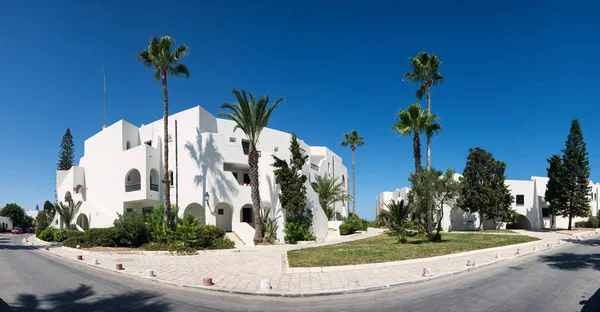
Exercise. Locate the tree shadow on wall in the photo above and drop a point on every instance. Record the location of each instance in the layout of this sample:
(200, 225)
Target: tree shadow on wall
(79, 299)
(209, 161)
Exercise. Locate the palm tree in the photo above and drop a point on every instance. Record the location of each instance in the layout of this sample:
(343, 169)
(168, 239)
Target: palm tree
(353, 139)
(329, 191)
(67, 212)
(414, 121)
(159, 57)
(396, 215)
(425, 72)
(251, 116)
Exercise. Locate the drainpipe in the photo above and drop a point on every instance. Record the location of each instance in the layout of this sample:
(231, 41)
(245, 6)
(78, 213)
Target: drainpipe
(176, 168)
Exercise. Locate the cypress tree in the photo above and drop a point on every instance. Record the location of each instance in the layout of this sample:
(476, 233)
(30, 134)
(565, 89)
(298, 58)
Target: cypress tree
(575, 178)
(67, 152)
(293, 190)
(554, 187)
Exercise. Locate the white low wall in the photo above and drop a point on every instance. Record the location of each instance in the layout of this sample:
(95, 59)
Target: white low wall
(334, 225)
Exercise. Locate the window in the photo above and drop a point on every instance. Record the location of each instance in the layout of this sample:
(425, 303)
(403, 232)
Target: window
(545, 212)
(520, 200)
(146, 210)
(232, 139)
(246, 178)
(129, 210)
(235, 175)
(149, 143)
(276, 149)
(171, 178)
(128, 145)
(220, 212)
(246, 146)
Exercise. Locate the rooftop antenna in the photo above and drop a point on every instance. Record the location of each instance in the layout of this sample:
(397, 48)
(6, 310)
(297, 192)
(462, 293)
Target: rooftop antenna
(104, 74)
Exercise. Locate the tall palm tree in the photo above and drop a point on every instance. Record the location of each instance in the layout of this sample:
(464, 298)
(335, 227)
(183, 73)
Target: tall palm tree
(413, 121)
(329, 191)
(425, 72)
(164, 60)
(353, 139)
(67, 212)
(251, 116)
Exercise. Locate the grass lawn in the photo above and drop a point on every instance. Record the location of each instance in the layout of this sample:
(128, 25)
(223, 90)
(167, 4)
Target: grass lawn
(384, 248)
(489, 231)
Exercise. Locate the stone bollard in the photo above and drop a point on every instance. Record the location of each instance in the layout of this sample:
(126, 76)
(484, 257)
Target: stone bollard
(207, 281)
(497, 256)
(78, 246)
(150, 273)
(557, 242)
(47, 249)
(468, 262)
(426, 272)
(352, 284)
(96, 261)
(518, 252)
(549, 245)
(118, 266)
(79, 257)
(534, 248)
(265, 284)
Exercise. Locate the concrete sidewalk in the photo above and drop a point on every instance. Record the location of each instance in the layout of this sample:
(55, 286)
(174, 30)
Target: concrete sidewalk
(242, 270)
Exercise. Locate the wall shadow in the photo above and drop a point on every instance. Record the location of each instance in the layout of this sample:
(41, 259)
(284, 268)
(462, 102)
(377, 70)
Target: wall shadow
(209, 160)
(79, 299)
(592, 304)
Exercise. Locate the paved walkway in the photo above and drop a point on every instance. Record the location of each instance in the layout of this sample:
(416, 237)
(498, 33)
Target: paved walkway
(241, 270)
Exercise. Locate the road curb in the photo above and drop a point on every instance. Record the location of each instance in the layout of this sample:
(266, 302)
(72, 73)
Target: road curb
(329, 292)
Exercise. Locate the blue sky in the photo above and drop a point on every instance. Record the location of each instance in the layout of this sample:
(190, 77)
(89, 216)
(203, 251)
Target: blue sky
(516, 74)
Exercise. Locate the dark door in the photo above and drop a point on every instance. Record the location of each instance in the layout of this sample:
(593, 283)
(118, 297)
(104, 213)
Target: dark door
(247, 215)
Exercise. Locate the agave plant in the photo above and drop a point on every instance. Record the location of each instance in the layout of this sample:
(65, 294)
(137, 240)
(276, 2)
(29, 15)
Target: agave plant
(67, 212)
(270, 225)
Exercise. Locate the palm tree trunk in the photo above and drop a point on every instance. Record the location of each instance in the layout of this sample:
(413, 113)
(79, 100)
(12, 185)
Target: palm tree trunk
(166, 186)
(417, 151)
(256, 208)
(481, 221)
(428, 135)
(353, 184)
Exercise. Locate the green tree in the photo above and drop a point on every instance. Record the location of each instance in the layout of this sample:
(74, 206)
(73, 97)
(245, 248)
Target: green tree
(164, 58)
(555, 187)
(446, 193)
(329, 191)
(291, 180)
(575, 179)
(67, 152)
(41, 222)
(15, 213)
(484, 190)
(49, 210)
(395, 218)
(251, 116)
(37, 207)
(424, 72)
(422, 194)
(353, 139)
(67, 212)
(413, 122)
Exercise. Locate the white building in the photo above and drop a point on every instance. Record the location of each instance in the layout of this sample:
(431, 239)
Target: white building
(529, 203)
(6, 223)
(122, 169)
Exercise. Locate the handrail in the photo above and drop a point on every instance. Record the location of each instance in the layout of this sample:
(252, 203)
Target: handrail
(133, 187)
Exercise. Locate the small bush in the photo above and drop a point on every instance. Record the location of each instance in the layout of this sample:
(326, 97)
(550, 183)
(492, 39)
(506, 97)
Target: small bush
(59, 235)
(346, 229)
(47, 234)
(593, 222)
(222, 243)
(131, 229)
(581, 224)
(72, 227)
(354, 223)
(74, 241)
(74, 233)
(105, 237)
(208, 234)
(297, 229)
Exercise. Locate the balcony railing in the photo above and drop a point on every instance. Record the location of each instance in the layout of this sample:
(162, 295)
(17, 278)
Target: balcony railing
(133, 187)
(154, 187)
(314, 167)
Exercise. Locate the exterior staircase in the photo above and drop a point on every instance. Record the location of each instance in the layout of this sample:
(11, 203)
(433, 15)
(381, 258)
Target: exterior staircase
(236, 239)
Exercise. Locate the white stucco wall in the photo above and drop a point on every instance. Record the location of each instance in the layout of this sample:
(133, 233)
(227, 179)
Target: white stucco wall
(7, 222)
(207, 152)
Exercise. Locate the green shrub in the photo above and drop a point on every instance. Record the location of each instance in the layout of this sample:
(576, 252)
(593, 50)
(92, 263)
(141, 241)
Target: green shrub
(581, 224)
(74, 241)
(2, 228)
(354, 223)
(156, 218)
(208, 234)
(297, 228)
(59, 235)
(131, 230)
(74, 233)
(72, 227)
(593, 222)
(105, 237)
(47, 234)
(222, 243)
(346, 229)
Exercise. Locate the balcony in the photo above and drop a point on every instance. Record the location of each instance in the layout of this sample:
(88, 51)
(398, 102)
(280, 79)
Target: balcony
(133, 187)
(314, 167)
(154, 187)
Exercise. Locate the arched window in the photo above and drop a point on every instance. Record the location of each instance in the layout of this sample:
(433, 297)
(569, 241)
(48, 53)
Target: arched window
(133, 181)
(128, 145)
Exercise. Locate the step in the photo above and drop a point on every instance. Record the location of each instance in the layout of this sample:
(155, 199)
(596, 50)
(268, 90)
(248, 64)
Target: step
(236, 239)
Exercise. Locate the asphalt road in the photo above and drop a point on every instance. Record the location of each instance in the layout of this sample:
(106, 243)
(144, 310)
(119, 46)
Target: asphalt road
(563, 280)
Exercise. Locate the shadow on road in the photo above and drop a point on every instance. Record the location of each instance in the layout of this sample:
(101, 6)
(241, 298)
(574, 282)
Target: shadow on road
(7, 243)
(592, 304)
(588, 242)
(572, 262)
(79, 299)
